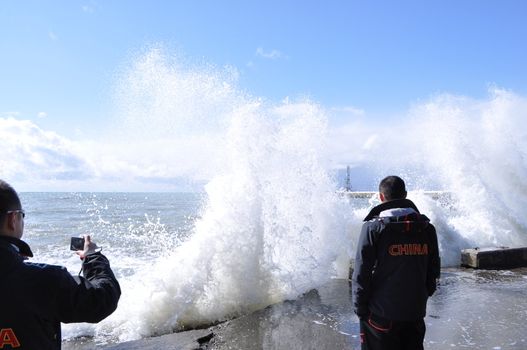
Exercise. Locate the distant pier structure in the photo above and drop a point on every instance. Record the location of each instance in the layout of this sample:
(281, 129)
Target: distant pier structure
(347, 190)
(370, 194)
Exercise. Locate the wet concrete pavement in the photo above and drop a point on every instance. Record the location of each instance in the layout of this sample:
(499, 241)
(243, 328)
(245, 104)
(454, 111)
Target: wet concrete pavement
(472, 309)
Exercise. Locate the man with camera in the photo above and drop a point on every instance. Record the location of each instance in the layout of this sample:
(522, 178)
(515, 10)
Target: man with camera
(36, 298)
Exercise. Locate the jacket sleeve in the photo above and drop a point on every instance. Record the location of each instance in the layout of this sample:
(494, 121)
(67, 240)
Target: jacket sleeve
(434, 263)
(362, 274)
(90, 298)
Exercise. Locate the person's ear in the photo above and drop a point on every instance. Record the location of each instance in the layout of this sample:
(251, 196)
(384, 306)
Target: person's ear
(405, 193)
(381, 197)
(11, 220)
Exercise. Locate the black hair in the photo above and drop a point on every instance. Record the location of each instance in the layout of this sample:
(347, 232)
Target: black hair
(8, 199)
(392, 187)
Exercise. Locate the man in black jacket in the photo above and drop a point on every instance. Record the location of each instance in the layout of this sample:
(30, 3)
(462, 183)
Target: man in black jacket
(396, 267)
(37, 297)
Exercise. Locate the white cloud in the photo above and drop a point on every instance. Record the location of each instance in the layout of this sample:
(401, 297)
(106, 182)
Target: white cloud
(38, 154)
(35, 159)
(272, 55)
(42, 115)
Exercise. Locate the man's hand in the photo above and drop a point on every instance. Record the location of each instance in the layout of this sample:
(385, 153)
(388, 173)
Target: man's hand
(89, 247)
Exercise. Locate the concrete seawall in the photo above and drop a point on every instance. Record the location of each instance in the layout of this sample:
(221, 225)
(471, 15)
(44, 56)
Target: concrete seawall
(370, 194)
(494, 257)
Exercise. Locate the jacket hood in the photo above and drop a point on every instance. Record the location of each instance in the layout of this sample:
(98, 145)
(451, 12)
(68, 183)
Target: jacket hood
(12, 253)
(397, 212)
(19, 245)
(395, 204)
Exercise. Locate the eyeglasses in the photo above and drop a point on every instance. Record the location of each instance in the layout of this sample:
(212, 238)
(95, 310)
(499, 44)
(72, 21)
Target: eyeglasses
(21, 211)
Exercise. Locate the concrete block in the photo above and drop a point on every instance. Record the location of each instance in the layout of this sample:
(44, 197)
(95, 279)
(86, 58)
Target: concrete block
(494, 258)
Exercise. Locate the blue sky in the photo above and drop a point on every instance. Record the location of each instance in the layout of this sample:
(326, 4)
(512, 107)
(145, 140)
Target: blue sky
(60, 60)
(59, 57)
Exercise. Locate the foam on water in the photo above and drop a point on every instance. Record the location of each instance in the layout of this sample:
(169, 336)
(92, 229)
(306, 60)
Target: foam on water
(476, 150)
(272, 226)
(271, 229)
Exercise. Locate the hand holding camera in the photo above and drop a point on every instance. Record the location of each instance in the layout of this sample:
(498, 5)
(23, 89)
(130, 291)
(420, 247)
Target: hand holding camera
(83, 246)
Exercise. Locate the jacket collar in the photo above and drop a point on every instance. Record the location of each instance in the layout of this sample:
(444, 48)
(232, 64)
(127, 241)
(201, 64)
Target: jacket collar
(22, 247)
(396, 203)
(397, 212)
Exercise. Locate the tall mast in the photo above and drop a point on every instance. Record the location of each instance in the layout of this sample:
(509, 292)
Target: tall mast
(348, 179)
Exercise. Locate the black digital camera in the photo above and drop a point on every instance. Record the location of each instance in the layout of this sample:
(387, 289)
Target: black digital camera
(77, 243)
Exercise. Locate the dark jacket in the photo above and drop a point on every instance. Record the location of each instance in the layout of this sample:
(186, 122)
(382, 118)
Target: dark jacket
(37, 297)
(397, 263)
